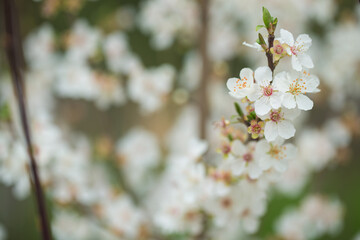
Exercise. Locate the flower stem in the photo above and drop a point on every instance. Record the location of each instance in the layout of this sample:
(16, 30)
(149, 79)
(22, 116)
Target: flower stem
(14, 53)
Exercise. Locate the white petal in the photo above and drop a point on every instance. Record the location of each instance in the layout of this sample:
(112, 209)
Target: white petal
(255, 45)
(303, 102)
(247, 73)
(261, 148)
(278, 141)
(282, 82)
(280, 166)
(290, 114)
(233, 91)
(305, 60)
(255, 93)
(262, 106)
(287, 37)
(290, 151)
(238, 148)
(271, 131)
(296, 65)
(254, 171)
(303, 41)
(265, 163)
(289, 101)
(237, 167)
(311, 84)
(286, 129)
(250, 225)
(231, 83)
(276, 99)
(263, 76)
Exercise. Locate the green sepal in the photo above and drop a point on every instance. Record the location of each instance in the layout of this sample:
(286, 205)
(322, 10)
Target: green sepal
(261, 39)
(251, 116)
(274, 23)
(230, 137)
(238, 109)
(258, 27)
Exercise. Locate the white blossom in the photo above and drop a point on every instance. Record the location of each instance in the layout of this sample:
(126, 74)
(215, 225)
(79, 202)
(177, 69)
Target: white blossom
(278, 123)
(274, 154)
(265, 95)
(297, 49)
(294, 87)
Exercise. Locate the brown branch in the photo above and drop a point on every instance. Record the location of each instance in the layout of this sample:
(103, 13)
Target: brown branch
(269, 55)
(203, 37)
(14, 53)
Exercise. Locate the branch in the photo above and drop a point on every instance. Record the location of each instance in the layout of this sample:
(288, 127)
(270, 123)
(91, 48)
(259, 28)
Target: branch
(14, 55)
(204, 33)
(269, 55)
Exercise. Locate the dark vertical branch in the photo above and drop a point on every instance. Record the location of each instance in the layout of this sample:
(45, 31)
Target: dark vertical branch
(203, 37)
(269, 55)
(14, 55)
(203, 97)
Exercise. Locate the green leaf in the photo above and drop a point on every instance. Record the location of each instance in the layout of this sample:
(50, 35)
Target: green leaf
(275, 23)
(238, 109)
(267, 17)
(261, 39)
(230, 137)
(258, 27)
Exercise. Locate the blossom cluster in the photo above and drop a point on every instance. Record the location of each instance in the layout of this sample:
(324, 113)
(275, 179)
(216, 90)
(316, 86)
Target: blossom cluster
(316, 216)
(142, 186)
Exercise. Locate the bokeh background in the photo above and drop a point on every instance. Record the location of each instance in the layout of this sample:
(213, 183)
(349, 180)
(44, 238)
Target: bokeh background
(167, 44)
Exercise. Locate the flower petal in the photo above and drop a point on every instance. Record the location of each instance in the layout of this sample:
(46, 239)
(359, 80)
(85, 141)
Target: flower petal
(255, 45)
(271, 131)
(231, 85)
(286, 129)
(305, 60)
(290, 114)
(304, 102)
(282, 82)
(254, 171)
(311, 84)
(263, 76)
(287, 37)
(296, 65)
(248, 74)
(280, 166)
(304, 42)
(276, 99)
(255, 93)
(238, 148)
(289, 101)
(262, 106)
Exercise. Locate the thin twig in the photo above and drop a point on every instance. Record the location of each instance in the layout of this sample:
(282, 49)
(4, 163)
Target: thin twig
(269, 55)
(204, 32)
(203, 97)
(14, 53)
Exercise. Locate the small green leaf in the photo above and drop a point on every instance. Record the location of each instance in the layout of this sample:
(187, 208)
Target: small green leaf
(261, 39)
(230, 137)
(258, 27)
(267, 17)
(275, 23)
(238, 109)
